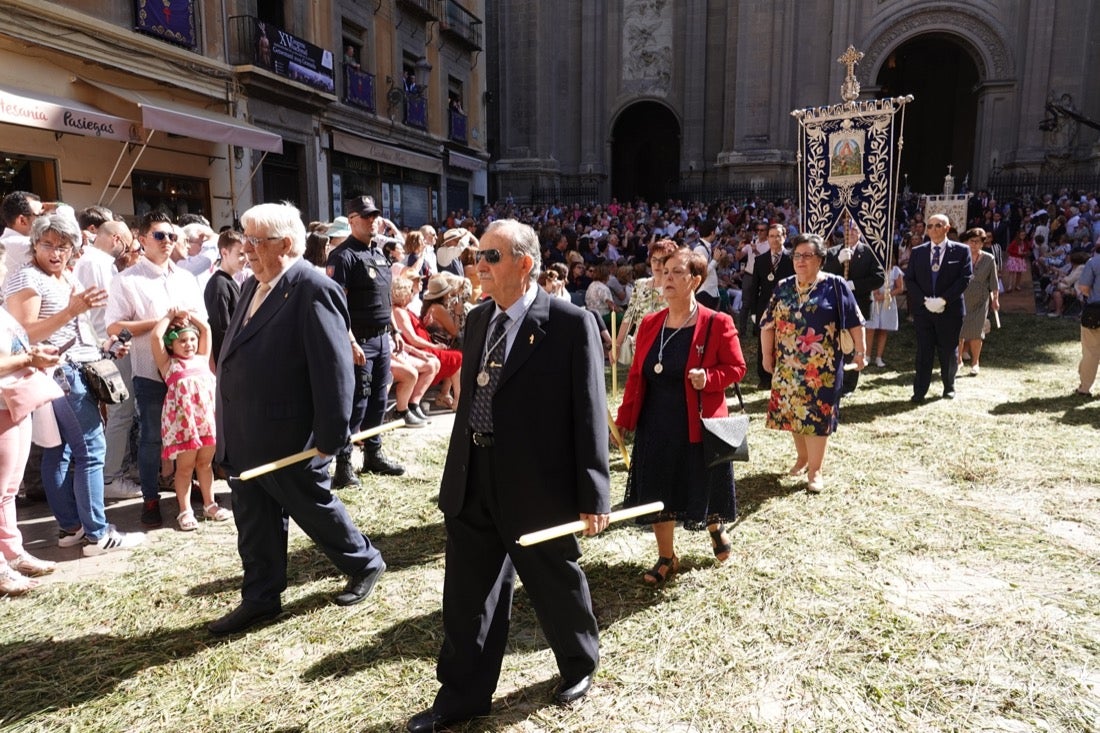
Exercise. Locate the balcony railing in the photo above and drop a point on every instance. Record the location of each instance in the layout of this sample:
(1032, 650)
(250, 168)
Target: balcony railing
(258, 43)
(427, 9)
(458, 126)
(359, 88)
(416, 111)
(462, 25)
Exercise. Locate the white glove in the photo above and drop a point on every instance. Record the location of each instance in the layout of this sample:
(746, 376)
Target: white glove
(935, 305)
(851, 285)
(844, 255)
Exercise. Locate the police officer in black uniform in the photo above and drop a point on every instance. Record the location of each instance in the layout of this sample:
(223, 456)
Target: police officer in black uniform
(364, 273)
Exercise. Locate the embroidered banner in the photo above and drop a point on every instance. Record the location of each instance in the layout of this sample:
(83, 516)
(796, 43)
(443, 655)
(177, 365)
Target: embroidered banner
(170, 20)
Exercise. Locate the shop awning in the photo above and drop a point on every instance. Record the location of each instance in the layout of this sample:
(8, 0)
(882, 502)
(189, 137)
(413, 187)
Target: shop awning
(362, 147)
(31, 109)
(160, 114)
(458, 160)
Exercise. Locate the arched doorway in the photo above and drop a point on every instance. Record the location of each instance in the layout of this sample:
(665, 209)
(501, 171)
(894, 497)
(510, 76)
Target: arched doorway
(941, 123)
(645, 152)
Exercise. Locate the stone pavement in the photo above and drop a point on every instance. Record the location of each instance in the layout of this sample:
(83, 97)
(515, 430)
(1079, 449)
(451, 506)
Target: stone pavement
(39, 529)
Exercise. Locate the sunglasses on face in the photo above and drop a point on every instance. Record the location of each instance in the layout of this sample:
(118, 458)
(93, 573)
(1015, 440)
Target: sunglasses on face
(161, 236)
(492, 256)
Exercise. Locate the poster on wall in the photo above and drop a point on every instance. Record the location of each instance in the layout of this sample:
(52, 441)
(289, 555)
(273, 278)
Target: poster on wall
(169, 20)
(386, 201)
(395, 203)
(337, 195)
(290, 56)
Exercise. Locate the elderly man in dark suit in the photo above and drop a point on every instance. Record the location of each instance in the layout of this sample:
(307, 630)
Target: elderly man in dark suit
(500, 482)
(858, 264)
(285, 385)
(770, 268)
(938, 273)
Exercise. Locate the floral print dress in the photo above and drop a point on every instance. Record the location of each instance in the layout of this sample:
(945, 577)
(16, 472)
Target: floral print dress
(808, 361)
(187, 422)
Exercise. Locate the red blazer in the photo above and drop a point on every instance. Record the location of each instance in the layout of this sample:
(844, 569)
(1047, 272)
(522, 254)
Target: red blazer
(722, 361)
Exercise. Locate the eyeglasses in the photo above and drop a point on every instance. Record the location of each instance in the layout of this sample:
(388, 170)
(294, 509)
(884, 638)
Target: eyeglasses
(492, 256)
(62, 248)
(803, 256)
(937, 225)
(255, 241)
(161, 236)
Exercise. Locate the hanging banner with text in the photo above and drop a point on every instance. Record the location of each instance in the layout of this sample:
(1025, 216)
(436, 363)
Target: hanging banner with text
(290, 56)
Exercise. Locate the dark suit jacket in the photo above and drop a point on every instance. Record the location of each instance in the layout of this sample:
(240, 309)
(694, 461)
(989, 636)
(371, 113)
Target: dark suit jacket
(221, 296)
(760, 292)
(549, 420)
(285, 379)
(954, 275)
(864, 270)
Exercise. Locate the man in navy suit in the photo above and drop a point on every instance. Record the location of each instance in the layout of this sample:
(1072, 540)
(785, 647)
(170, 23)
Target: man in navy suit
(770, 268)
(514, 466)
(285, 385)
(938, 273)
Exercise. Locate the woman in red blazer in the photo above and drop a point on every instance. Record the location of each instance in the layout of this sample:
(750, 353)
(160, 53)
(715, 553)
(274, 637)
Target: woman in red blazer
(685, 357)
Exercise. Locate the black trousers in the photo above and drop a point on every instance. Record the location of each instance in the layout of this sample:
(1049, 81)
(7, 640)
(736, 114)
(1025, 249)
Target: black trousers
(482, 563)
(261, 508)
(937, 335)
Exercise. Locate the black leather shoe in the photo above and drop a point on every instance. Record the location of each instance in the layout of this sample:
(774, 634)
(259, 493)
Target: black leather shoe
(344, 477)
(917, 399)
(378, 463)
(949, 394)
(243, 617)
(566, 694)
(359, 587)
(430, 721)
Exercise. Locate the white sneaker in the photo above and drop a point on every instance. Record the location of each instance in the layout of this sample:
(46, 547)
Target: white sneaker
(974, 370)
(121, 488)
(112, 540)
(70, 539)
(879, 362)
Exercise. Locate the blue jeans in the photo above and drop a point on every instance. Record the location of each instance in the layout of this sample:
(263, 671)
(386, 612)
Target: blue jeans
(149, 397)
(76, 495)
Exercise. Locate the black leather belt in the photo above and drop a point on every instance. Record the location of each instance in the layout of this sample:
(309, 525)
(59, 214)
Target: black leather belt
(369, 333)
(482, 440)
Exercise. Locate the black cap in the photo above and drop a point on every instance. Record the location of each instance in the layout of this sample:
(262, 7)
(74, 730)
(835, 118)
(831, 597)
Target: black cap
(363, 206)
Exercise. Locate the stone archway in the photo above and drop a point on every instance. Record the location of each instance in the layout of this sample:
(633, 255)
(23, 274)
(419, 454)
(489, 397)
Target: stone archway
(645, 152)
(941, 122)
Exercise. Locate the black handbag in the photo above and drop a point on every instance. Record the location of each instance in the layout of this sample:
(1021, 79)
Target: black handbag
(725, 439)
(1090, 315)
(104, 381)
(851, 376)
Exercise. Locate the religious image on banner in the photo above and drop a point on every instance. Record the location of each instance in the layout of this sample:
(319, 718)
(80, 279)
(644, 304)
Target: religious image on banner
(169, 20)
(849, 156)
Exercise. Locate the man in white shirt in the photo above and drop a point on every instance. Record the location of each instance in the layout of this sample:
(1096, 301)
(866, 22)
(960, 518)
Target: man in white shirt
(707, 294)
(19, 209)
(139, 297)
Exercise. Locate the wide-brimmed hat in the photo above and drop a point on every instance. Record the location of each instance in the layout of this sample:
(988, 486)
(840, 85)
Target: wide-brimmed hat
(340, 227)
(439, 286)
(363, 206)
(456, 237)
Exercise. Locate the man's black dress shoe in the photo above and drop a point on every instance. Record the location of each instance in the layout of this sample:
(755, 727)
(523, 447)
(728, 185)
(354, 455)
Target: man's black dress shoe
(568, 693)
(917, 399)
(359, 587)
(243, 617)
(949, 394)
(430, 721)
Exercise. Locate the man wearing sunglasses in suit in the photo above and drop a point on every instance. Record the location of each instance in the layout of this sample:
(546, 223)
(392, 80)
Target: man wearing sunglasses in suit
(938, 273)
(501, 481)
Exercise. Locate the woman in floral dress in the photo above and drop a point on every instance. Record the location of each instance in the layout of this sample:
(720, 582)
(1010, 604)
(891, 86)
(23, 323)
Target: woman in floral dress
(800, 346)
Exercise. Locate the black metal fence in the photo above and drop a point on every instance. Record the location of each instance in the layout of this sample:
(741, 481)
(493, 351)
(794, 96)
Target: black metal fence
(774, 191)
(583, 194)
(1007, 185)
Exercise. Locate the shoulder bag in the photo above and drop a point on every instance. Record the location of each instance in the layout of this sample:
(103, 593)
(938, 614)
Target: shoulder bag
(847, 346)
(104, 381)
(27, 390)
(726, 438)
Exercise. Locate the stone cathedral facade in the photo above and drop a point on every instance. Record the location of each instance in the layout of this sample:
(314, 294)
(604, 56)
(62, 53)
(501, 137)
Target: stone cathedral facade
(650, 97)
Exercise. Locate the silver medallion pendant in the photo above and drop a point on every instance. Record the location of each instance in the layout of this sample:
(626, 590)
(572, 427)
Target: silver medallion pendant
(935, 268)
(658, 368)
(482, 378)
(798, 314)
(771, 276)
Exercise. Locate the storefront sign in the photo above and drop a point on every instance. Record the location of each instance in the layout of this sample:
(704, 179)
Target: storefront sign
(21, 108)
(371, 150)
(290, 56)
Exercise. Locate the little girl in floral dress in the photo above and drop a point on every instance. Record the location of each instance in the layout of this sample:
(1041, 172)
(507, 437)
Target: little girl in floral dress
(181, 348)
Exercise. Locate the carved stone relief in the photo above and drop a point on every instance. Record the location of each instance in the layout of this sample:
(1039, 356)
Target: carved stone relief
(647, 46)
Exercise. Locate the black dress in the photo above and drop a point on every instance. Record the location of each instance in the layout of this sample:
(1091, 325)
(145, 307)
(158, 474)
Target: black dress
(665, 465)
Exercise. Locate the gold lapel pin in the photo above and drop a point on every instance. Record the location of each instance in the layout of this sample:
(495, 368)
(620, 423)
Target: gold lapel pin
(531, 339)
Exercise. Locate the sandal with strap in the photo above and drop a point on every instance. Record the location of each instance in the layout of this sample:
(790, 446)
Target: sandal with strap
(661, 572)
(31, 566)
(216, 512)
(186, 521)
(720, 543)
(14, 583)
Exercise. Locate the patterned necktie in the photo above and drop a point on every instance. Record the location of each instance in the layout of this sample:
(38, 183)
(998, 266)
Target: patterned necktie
(481, 409)
(935, 266)
(257, 298)
(775, 262)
